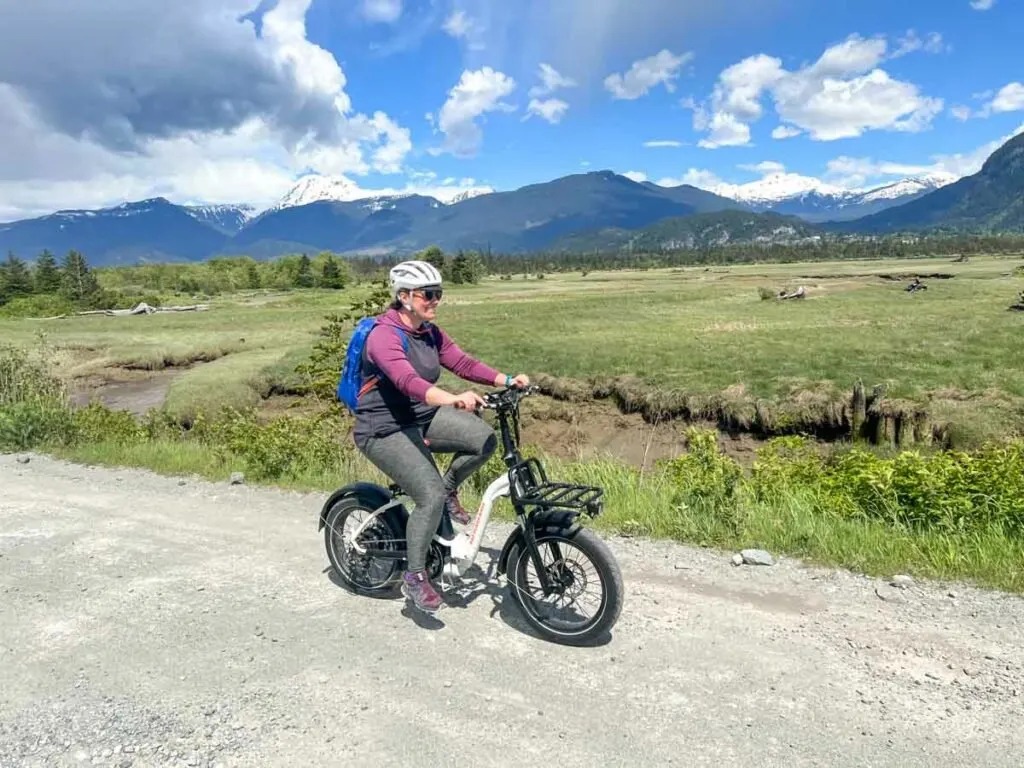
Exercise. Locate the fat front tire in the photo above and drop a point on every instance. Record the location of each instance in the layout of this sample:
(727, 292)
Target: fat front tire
(362, 573)
(529, 596)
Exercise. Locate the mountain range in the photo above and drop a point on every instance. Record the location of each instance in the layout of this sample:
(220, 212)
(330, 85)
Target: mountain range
(596, 210)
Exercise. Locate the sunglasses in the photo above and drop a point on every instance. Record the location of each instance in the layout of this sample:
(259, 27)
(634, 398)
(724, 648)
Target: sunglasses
(432, 294)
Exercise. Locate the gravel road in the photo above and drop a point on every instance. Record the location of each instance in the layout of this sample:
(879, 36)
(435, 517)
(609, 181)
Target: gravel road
(146, 620)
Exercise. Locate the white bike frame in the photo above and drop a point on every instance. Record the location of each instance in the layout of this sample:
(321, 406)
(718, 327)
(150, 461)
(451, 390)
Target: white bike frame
(464, 547)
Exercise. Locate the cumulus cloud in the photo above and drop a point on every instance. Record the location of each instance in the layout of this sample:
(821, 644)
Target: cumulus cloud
(695, 177)
(1009, 98)
(387, 11)
(764, 168)
(190, 99)
(552, 110)
(637, 176)
(982, 5)
(841, 95)
(458, 24)
(857, 171)
(477, 92)
(551, 80)
(660, 69)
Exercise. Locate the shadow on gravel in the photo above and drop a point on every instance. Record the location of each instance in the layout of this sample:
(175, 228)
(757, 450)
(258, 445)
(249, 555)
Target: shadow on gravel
(474, 585)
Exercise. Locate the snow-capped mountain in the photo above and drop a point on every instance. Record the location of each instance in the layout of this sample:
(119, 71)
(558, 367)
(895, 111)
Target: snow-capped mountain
(225, 218)
(815, 200)
(314, 188)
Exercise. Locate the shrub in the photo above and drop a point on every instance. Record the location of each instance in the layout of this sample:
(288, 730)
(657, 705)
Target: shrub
(703, 476)
(289, 446)
(33, 402)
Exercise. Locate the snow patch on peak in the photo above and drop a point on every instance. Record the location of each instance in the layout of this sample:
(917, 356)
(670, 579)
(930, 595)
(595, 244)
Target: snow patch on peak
(776, 187)
(315, 188)
(914, 185)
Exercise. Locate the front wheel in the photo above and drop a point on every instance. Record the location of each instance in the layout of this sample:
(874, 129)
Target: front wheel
(586, 577)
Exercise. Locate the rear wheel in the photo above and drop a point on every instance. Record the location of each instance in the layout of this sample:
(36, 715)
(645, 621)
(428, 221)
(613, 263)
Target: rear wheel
(363, 573)
(588, 596)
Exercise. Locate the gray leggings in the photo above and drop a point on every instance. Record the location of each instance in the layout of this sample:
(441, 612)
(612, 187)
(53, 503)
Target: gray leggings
(405, 458)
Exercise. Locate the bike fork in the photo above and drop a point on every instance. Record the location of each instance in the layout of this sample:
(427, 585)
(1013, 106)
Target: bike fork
(534, 552)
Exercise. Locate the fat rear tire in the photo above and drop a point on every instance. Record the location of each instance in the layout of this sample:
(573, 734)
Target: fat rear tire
(352, 567)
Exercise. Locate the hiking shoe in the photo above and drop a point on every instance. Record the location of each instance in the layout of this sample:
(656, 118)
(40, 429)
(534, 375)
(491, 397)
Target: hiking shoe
(417, 587)
(455, 509)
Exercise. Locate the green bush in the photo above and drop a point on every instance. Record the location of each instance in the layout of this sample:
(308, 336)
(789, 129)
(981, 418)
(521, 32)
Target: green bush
(98, 424)
(27, 425)
(33, 402)
(288, 446)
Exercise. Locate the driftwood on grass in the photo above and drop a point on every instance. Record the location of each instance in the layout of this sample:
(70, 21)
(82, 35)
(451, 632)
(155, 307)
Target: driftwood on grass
(142, 308)
(799, 293)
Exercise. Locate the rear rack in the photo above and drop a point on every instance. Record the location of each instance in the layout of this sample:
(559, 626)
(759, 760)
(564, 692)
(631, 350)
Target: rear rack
(538, 491)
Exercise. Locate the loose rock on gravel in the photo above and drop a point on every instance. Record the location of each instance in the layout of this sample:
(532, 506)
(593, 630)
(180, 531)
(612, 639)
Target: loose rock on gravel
(143, 622)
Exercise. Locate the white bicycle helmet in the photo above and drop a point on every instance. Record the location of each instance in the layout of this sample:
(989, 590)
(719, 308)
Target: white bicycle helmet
(410, 275)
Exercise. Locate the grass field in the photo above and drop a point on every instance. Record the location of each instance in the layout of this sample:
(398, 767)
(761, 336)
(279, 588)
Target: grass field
(954, 349)
(702, 331)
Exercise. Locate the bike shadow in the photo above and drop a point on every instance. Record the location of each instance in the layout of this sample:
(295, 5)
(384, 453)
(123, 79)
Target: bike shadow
(476, 584)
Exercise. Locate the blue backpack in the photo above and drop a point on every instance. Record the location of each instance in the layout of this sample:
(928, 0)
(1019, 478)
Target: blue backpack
(351, 385)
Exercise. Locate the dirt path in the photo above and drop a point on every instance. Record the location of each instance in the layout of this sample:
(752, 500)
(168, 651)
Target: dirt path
(148, 622)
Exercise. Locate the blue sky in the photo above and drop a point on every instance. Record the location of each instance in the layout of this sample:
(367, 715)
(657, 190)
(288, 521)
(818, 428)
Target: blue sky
(407, 65)
(224, 101)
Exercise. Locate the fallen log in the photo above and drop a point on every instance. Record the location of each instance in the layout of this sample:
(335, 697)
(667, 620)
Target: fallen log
(142, 308)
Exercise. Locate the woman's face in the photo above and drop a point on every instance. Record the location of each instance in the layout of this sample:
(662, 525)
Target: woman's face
(424, 302)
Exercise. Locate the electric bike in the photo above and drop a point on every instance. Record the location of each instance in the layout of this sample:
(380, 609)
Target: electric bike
(364, 533)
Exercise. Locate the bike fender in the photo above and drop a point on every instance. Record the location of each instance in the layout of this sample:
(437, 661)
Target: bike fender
(371, 493)
(546, 520)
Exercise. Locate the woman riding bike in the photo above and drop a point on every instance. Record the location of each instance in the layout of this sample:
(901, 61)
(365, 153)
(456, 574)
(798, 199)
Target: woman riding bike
(400, 422)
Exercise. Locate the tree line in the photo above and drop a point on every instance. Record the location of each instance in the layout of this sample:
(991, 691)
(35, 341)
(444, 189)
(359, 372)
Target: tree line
(72, 283)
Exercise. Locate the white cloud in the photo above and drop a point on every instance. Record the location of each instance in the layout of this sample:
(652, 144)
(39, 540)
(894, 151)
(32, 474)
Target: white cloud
(552, 110)
(982, 5)
(663, 143)
(785, 132)
(637, 176)
(764, 168)
(477, 92)
(911, 42)
(857, 171)
(386, 11)
(551, 81)
(458, 24)
(695, 177)
(841, 95)
(135, 113)
(960, 112)
(1009, 99)
(661, 68)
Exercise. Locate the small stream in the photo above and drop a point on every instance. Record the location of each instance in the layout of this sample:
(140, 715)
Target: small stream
(137, 396)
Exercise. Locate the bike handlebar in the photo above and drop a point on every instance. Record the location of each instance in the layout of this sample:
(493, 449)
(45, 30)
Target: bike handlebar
(503, 399)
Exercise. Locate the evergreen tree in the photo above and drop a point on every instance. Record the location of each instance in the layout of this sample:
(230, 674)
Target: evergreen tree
(17, 280)
(79, 284)
(467, 268)
(47, 274)
(304, 276)
(435, 256)
(331, 276)
(252, 276)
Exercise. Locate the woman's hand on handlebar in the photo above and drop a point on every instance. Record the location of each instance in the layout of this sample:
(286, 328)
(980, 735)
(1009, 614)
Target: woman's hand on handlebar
(468, 401)
(522, 381)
